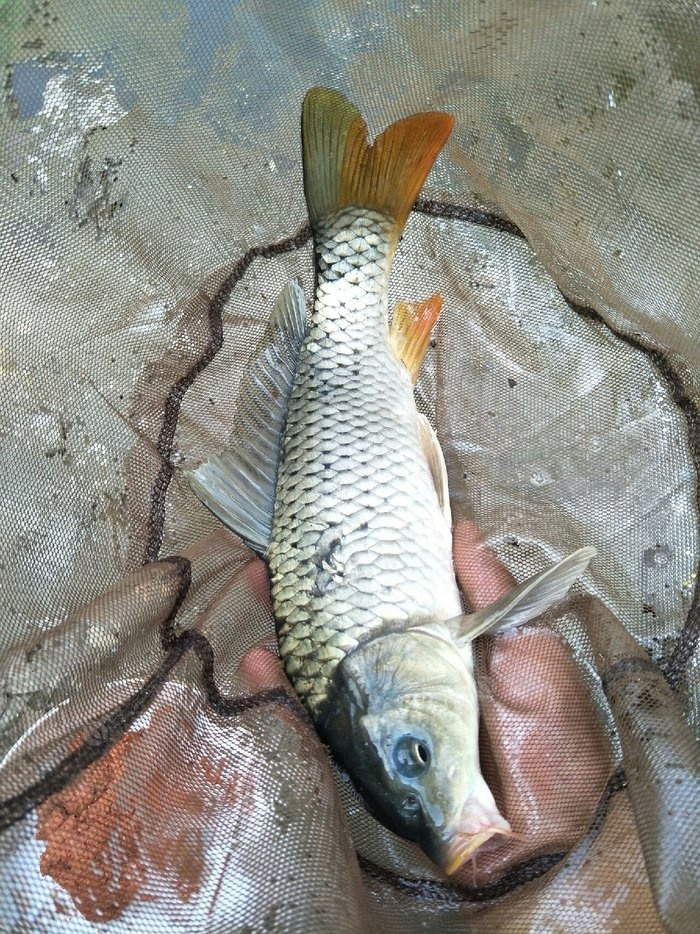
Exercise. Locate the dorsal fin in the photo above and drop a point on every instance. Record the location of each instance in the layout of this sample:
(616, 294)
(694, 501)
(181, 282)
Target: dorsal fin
(341, 169)
(239, 485)
(410, 331)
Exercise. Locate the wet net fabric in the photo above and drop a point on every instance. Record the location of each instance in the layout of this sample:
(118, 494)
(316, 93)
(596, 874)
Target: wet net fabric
(157, 774)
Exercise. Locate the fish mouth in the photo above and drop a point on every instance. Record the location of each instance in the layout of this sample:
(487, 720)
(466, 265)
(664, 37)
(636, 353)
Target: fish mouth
(464, 844)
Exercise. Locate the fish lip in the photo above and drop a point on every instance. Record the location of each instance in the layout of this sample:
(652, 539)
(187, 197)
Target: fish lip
(463, 844)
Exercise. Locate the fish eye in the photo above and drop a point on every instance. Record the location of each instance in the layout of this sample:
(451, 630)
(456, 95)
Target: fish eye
(411, 756)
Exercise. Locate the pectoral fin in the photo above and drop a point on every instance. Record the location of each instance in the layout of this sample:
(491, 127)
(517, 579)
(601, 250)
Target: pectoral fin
(527, 601)
(238, 485)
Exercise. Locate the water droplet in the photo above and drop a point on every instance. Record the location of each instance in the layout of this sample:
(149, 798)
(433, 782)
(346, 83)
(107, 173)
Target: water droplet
(659, 556)
(541, 477)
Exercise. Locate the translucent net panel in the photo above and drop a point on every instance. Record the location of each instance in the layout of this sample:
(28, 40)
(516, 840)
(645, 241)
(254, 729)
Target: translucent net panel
(158, 774)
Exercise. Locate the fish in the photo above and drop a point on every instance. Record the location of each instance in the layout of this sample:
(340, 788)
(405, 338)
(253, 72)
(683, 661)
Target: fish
(340, 484)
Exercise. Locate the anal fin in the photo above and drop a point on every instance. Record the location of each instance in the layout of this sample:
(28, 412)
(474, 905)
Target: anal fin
(410, 330)
(239, 485)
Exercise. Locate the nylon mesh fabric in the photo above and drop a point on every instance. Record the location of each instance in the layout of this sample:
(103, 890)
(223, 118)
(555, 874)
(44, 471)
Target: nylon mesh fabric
(158, 775)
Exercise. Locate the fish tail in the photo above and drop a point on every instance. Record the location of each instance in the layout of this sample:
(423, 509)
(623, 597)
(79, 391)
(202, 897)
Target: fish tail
(342, 169)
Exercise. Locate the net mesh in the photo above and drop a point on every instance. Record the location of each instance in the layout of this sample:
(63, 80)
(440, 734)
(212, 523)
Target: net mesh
(157, 774)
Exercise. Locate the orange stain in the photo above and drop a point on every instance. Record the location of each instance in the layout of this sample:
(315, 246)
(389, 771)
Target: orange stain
(92, 846)
(134, 823)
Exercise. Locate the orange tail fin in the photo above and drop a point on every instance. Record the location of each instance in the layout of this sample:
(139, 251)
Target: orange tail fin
(341, 169)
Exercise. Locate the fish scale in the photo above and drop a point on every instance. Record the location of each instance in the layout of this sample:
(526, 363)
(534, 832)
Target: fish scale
(359, 539)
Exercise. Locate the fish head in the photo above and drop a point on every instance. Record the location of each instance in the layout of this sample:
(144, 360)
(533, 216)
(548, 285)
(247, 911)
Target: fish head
(403, 719)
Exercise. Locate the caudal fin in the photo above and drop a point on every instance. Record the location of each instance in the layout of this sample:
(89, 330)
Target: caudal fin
(341, 169)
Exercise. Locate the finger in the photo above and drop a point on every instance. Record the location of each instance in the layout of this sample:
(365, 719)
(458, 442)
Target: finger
(543, 753)
(480, 574)
(257, 580)
(261, 670)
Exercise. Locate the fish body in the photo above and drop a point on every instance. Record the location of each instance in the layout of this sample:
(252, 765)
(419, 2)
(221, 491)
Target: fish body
(340, 483)
(359, 540)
